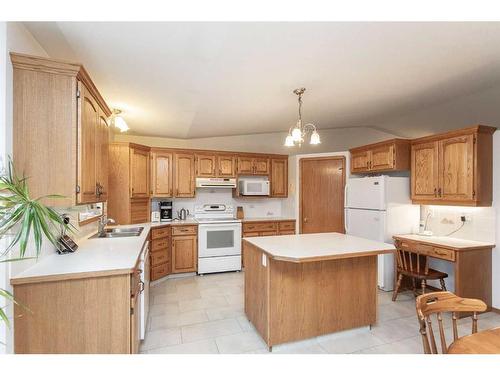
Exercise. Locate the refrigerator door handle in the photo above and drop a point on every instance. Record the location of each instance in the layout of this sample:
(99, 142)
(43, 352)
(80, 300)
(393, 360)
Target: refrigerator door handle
(346, 226)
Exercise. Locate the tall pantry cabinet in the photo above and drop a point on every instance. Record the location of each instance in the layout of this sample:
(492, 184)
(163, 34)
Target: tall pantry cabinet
(61, 131)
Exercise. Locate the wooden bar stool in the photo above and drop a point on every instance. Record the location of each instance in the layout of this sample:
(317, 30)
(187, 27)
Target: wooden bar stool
(442, 302)
(415, 266)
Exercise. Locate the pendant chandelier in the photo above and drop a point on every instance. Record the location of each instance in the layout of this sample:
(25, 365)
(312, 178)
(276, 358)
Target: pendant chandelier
(296, 135)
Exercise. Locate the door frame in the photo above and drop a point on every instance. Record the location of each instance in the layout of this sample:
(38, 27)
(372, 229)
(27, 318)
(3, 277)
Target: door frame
(344, 177)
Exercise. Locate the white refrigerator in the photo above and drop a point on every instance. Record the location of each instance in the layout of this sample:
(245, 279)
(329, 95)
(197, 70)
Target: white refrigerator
(378, 208)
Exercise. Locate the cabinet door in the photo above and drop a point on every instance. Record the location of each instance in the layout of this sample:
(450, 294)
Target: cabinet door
(139, 173)
(184, 254)
(205, 165)
(424, 171)
(102, 156)
(261, 166)
(382, 158)
(456, 168)
(135, 323)
(87, 130)
(279, 178)
(184, 175)
(161, 174)
(226, 166)
(360, 161)
(245, 165)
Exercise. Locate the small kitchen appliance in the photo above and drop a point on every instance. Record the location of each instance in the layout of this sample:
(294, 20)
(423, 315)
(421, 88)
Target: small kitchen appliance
(219, 238)
(253, 186)
(182, 214)
(166, 211)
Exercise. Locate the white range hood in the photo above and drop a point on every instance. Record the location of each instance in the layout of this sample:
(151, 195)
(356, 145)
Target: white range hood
(228, 183)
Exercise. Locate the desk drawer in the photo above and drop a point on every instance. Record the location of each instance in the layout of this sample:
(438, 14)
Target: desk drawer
(436, 252)
(260, 227)
(161, 244)
(160, 233)
(183, 230)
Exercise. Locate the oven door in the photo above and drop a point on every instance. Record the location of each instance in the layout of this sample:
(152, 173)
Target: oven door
(219, 240)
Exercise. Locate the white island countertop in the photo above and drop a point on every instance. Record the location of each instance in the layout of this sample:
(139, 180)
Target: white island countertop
(94, 257)
(318, 246)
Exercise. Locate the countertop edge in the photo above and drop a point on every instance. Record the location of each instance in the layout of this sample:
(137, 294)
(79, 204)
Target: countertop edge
(69, 276)
(446, 246)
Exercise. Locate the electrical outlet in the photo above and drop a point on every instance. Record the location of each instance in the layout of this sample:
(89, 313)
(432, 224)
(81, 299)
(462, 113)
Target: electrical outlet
(466, 218)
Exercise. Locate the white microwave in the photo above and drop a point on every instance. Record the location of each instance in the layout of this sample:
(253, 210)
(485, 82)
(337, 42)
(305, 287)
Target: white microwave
(248, 186)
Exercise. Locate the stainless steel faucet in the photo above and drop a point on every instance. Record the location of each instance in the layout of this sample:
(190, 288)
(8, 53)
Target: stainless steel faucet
(101, 224)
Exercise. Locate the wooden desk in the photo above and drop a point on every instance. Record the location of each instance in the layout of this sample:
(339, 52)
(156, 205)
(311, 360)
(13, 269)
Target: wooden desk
(471, 259)
(484, 342)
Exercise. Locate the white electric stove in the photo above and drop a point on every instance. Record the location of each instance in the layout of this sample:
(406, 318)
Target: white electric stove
(219, 238)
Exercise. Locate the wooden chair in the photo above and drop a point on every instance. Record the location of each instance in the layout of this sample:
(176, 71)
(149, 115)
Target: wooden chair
(442, 302)
(415, 266)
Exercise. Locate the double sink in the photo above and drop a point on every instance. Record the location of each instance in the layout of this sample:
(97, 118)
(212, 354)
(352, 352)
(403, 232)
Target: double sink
(119, 232)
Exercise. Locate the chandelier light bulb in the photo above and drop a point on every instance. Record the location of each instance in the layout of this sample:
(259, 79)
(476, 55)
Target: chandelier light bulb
(121, 124)
(315, 140)
(296, 134)
(289, 141)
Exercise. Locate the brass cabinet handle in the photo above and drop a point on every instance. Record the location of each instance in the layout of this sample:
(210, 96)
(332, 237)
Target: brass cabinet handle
(439, 192)
(435, 192)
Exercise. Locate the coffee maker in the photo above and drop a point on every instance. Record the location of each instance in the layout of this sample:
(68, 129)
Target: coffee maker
(166, 211)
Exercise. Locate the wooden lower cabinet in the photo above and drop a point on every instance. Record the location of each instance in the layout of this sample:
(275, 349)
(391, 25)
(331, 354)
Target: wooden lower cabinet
(161, 252)
(266, 228)
(78, 316)
(184, 253)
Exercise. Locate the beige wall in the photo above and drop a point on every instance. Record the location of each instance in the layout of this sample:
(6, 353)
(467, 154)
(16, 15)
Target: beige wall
(332, 140)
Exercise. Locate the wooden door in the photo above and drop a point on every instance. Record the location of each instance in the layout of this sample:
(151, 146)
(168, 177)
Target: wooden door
(161, 173)
(226, 166)
(184, 254)
(205, 165)
(382, 158)
(245, 165)
(322, 183)
(456, 168)
(360, 161)
(261, 166)
(424, 171)
(139, 173)
(102, 157)
(184, 175)
(87, 130)
(279, 178)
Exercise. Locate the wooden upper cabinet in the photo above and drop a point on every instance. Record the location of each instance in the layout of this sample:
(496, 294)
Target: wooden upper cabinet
(184, 186)
(226, 166)
(161, 173)
(59, 139)
(424, 171)
(248, 165)
(456, 169)
(139, 172)
(205, 165)
(87, 133)
(279, 178)
(453, 168)
(386, 156)
(245, 165)
(360, 161)
(102, 157)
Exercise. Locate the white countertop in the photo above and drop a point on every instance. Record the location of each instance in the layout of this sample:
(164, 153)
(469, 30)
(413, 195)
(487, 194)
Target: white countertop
(456, 243)
(188, 221)
(94, 256)
(266, 218)
(318, 246)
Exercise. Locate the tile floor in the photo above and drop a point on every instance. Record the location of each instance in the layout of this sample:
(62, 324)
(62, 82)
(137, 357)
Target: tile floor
(204, 315)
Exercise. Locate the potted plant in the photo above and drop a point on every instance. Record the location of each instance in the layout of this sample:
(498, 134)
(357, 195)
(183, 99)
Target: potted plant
(23, 218)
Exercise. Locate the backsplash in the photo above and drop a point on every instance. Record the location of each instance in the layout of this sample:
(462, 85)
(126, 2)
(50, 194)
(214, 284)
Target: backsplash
(480, 224)
(252, 207)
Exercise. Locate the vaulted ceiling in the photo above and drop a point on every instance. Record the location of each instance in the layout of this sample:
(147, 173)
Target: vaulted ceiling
(190, 80)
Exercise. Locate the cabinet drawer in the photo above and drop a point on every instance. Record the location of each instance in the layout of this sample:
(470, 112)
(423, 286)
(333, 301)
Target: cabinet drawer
(260, 227)
(250, 234)
(160, 233)
(183, 230)
(158, 272)
(287, 225)
(161, 244)
(159, 257)
(268, 233)
(284, 232)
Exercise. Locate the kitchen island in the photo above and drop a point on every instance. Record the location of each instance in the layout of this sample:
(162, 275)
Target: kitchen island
(306, 285)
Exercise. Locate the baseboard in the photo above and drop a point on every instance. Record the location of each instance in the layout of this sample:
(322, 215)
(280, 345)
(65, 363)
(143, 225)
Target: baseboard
(495, 310)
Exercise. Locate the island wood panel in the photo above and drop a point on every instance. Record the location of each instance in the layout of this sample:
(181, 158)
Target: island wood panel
(288, 301)
(80, 316)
